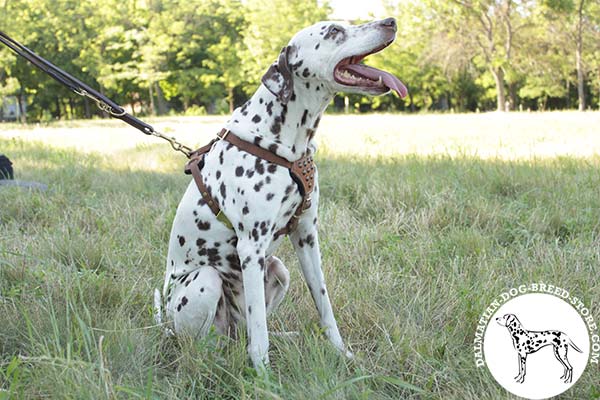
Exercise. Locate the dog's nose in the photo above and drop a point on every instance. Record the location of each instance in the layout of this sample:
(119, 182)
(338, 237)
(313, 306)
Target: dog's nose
(389, 23)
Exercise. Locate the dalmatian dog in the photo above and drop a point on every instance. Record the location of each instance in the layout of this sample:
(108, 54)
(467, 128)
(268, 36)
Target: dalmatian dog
(528, 342)
(226, 275)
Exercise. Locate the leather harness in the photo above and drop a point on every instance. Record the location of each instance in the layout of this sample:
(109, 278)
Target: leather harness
(302, 172)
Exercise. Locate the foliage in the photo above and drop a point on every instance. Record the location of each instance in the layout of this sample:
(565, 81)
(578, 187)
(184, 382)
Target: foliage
(164, 56)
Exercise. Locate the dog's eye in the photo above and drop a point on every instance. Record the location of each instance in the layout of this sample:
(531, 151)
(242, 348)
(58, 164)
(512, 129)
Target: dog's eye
(334, 29)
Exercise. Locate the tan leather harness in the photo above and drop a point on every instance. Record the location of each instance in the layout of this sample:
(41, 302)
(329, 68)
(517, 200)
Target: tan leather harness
(302, 172)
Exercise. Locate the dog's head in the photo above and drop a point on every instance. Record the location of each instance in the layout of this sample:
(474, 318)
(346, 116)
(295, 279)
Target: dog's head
(508, 320)
(327, 56)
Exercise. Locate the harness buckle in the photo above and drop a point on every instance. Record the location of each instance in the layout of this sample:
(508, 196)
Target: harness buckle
(221, 217)
(225, 135)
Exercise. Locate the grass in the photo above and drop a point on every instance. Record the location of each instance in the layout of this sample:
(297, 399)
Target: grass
(440, 215)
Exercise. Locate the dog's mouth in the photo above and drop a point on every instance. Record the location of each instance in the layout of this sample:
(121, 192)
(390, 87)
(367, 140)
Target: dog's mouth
(350, 72)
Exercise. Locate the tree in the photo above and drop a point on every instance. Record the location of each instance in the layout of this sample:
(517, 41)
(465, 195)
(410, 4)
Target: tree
(492, 26)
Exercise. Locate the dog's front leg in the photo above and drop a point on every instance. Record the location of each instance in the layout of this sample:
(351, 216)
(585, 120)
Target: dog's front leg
(306, 243)
(252, 258)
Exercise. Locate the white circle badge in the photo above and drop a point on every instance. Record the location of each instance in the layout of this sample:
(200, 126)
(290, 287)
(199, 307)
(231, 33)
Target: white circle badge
(536, 346)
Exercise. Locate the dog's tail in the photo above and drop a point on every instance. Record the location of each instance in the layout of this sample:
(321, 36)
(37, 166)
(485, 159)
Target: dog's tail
(157, 307)
(158, 313)
(573, 346)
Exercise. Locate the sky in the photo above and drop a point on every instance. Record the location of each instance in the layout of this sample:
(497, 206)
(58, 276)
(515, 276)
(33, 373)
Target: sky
(353, 9)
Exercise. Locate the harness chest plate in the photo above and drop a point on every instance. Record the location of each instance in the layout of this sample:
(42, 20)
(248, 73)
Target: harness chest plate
(302, 172)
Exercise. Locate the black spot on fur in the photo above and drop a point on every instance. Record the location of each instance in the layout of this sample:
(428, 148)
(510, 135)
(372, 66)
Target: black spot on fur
(284, 110)
(223, 190)
(256, 119)
(203, 226)
(259, 186)
(200, 242)
(273, 148)
(181, 240)
(323, 291)
(234, 261)
(303, 120)
(245, 210)
(239, 171)
(259, 167)
(307, 85)
(317, 46)
(272, 168)
(316, 124)
(221, 157)
(245, 263)
(306, 73)
(297, 65)
(218, 174)
(270, 196)
(276, 126)
(249, 173)
(270, 108)
(241, 227)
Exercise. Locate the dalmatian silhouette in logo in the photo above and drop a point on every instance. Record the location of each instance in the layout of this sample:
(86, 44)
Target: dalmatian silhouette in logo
(528, 342)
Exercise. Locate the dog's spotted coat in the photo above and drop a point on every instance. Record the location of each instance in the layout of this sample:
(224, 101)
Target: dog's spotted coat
(221, 277)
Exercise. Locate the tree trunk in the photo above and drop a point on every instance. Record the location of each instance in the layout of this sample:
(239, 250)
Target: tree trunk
(230, 99)
(71, 108)
(578, 56)
(512, 89)
(151, 95)
(86, 107)
(500, 96)
(22, 112)
(163, 107)
(58, 113)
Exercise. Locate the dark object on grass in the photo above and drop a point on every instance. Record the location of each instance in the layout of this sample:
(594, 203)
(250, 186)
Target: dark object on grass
(7, 176)
(6, 169)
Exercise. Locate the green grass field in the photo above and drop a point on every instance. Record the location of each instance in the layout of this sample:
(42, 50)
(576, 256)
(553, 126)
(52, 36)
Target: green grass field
(424, 219)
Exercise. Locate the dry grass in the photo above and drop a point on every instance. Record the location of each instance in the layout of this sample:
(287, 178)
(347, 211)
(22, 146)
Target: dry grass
(423, 220)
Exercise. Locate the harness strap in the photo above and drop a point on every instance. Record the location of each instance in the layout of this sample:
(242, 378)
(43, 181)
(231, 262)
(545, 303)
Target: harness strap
(302, 172)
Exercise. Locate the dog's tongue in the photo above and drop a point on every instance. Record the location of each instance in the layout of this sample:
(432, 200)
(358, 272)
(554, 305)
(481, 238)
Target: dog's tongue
(388, 79)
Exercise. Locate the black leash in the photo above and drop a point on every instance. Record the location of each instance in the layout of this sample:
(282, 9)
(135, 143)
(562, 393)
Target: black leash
(80, 88)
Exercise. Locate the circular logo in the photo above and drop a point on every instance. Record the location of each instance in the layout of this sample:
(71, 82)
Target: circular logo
(536, 345)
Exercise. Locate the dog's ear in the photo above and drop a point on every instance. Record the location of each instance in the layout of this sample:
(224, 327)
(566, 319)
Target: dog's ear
(278, 78)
